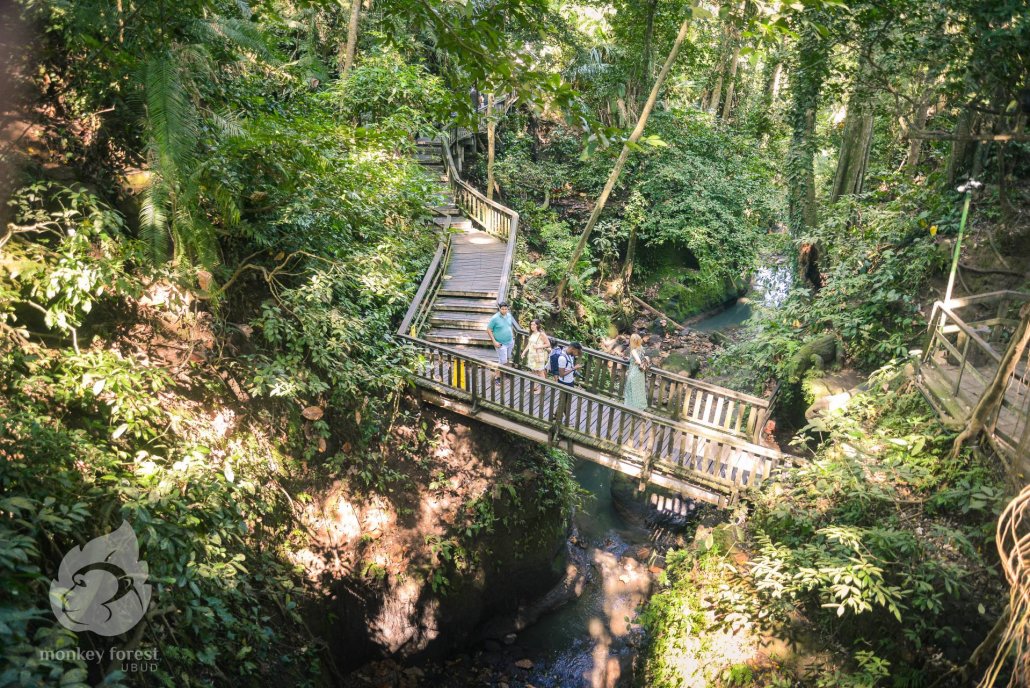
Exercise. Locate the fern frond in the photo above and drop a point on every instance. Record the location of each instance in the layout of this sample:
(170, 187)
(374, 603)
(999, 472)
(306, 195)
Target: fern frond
(171, 118)
(154, 220)
(240, 34)
(227, 122)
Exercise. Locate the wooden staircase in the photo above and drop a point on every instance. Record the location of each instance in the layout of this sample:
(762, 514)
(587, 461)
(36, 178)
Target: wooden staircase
(467, 296)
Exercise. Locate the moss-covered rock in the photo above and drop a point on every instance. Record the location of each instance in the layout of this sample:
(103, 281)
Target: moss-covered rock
(681, 362)
(695, 292)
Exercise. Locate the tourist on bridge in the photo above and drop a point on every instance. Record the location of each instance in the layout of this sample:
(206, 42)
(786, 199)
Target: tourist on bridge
(537, 350)
(635, 394)
(501, 329)
(566, 364)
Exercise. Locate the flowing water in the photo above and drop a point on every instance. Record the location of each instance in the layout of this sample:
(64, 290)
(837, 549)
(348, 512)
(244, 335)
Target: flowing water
(769, 289)
(589, 641)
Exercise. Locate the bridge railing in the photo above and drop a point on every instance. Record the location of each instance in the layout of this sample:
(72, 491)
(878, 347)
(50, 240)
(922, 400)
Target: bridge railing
(677, 396)
(966, 340)
(716, 460)
(422, 304)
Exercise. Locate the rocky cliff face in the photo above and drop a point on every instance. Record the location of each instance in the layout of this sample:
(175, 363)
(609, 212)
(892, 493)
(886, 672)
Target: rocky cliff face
(461, 523)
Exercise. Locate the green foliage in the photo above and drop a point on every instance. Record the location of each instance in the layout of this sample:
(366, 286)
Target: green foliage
(86, 442)
(850, 541)
(876, 261)
(850, 555)
(62, 252)
(527, 507)
(708, 192)
(392, 96)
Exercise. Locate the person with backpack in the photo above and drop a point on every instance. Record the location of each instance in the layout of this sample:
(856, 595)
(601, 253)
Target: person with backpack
(552, 360)
(564, 365)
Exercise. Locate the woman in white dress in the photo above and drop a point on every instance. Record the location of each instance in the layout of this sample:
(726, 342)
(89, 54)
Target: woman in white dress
(537, 350)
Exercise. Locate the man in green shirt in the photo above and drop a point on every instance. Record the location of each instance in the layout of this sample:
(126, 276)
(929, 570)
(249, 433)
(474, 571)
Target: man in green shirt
(501, 329)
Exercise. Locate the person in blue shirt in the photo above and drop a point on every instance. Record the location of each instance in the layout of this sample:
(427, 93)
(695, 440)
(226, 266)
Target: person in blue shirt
(501, 329)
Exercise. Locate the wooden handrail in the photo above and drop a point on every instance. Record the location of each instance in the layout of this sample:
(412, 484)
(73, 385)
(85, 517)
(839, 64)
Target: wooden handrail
(988, 296)
(679, 455)
(700, 384)
(956, 351)
(971, 333)
(420, 296)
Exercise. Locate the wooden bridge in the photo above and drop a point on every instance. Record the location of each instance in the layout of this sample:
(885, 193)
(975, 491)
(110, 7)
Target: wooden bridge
(967, 338)
(695, 438)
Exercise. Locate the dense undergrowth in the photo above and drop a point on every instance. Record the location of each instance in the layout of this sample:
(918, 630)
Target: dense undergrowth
(875, 556)
(198, 399)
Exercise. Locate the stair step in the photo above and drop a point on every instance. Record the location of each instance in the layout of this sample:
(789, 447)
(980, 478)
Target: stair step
(459, 320)
(450, 221)
(486, 353)
(466, 305)
(469, 293)
(445, 335)
(428, 159)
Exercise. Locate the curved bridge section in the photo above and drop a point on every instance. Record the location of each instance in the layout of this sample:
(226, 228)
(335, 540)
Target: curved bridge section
(695, 438)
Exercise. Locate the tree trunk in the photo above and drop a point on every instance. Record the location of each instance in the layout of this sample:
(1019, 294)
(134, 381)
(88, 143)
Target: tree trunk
(716, 95)
(642, 71)
(491, 130)
(772, 75)
(985, 415)
(352, 37)
(631, 254)
(809, 69)
(915, 145)
(774, 89)
(958, 161)
(634, 136)
(854, 149)
(853, 157)
(731, 83)
(533, 127)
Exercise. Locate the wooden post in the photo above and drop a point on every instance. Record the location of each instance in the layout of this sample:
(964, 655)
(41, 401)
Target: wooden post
(560, 413)
(474, 386)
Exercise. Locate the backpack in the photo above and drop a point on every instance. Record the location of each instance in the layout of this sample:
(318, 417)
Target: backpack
(552, 361)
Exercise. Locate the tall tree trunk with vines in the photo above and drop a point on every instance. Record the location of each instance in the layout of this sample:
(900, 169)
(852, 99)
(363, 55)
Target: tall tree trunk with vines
(771, 76)
(491, 138)
(731, 83)
(808, 71)
(641, 73)
(350, 48)
(962, 148)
